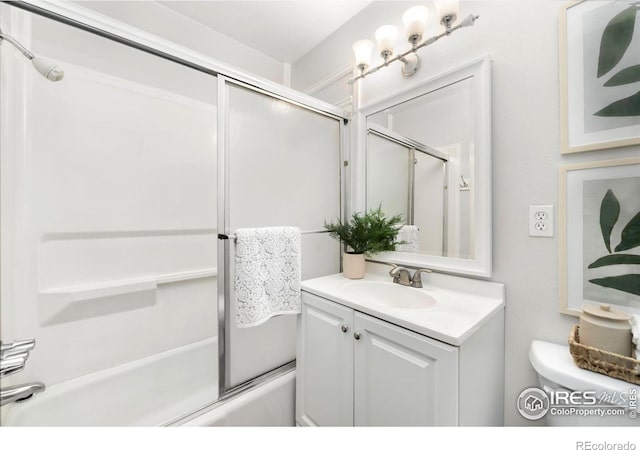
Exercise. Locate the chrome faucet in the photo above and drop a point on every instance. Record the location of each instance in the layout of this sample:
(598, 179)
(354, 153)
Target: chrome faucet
(401, 276)
(20, 393)
(16, 347)
(13, 358)
(12, 365)
(416, 280)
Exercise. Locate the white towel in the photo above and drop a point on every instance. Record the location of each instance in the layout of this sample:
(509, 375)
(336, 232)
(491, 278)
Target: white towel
(267, 274)
(408, 234)
(635, 331)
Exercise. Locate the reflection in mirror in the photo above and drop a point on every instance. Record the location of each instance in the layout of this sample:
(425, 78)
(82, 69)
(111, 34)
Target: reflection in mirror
(418, 154)
(425, 152)
(419, 192)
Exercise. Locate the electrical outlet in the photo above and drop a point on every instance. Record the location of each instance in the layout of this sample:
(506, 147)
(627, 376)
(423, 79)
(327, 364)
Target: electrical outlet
(541, 220)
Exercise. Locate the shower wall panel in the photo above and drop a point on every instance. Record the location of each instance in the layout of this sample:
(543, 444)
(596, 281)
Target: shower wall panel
(109, 202)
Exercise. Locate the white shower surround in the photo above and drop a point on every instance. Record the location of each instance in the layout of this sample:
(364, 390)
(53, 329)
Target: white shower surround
(70, 392)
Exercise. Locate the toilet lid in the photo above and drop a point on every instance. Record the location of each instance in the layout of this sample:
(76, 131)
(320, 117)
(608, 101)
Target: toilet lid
(554, 362)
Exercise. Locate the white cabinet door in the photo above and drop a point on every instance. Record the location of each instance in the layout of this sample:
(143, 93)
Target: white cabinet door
(403, 378)
(324, 379)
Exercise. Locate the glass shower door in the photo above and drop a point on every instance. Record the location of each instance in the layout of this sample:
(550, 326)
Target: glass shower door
(284, 169)
(389, 160)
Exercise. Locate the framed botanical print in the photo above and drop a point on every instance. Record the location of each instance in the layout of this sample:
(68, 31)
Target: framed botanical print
(599, 231)
(599, 74)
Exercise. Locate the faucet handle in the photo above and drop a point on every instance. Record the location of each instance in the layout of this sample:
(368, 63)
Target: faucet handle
(12, 365)
(400, 276)
(16, 348)
(395, 272)
(416, 280)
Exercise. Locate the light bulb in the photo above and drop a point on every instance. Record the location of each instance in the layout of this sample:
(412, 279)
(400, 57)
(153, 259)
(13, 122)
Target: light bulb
(448, 10)
(415, 22)
(362, 50)
(386, 35)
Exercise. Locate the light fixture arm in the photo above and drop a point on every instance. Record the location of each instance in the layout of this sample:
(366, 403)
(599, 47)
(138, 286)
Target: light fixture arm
(17, 45)
(469, 21)
(45, 67)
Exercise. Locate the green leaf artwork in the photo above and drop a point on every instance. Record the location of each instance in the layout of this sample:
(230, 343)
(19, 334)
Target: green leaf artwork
(625, 107)
(630, 235)
(628, 283)
(609, 213)
(629, 238)
(625, 76)
(615, 40)
(611, 260)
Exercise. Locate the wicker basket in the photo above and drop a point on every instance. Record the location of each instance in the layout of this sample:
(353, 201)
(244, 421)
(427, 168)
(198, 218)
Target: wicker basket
(602, 361)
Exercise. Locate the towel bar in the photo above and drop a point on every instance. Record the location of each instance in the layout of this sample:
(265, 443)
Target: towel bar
(233, 236)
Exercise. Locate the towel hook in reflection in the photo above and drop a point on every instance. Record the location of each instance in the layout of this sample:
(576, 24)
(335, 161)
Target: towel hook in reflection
(464, 186)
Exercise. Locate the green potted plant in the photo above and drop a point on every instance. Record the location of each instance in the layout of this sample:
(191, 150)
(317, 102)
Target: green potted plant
(366, 233)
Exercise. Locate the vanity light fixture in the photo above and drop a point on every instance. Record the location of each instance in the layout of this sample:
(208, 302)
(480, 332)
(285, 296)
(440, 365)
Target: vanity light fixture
(415, 23)
(363, 49)
(386, 37)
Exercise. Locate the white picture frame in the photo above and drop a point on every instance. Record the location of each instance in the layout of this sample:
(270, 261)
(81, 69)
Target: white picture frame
(585, 257)
(599, 75)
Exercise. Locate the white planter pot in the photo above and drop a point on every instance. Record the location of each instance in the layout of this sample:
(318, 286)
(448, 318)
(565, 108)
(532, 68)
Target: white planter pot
(353, 265)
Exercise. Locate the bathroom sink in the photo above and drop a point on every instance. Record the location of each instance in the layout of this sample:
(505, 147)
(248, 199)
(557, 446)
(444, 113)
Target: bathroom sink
(389, 294)
(448, 308)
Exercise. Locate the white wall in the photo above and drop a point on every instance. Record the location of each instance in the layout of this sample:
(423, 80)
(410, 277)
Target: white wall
(155, 18)
(522, 37)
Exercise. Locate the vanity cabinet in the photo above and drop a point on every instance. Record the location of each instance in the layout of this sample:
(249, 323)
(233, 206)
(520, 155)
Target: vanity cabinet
(401, 378)
(355, 369)
(324, 363)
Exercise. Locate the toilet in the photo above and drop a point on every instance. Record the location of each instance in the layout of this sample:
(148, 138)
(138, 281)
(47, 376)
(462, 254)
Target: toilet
(558, 373)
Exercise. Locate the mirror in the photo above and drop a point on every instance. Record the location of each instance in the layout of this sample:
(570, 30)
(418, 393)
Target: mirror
(427, 156)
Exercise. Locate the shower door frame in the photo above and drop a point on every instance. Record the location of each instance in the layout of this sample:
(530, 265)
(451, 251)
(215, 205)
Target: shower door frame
(114, 30)
(224, 244)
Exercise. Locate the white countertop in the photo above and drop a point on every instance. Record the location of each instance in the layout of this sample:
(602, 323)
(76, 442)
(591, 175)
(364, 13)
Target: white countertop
(462, 305)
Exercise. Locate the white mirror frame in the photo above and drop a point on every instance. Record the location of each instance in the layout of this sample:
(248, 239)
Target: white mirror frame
(480, 73)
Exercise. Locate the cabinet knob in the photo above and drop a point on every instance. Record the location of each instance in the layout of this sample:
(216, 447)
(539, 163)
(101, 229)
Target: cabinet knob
(344, 328)
(356, 335)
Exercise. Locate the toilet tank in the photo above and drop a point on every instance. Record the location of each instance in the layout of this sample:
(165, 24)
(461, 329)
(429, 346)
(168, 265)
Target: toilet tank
(559, 377)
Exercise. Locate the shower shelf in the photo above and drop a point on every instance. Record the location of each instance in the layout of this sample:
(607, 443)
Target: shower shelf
(54, 301)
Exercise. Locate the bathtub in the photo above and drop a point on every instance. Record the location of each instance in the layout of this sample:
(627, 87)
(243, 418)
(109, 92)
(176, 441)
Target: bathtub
(155, 391)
